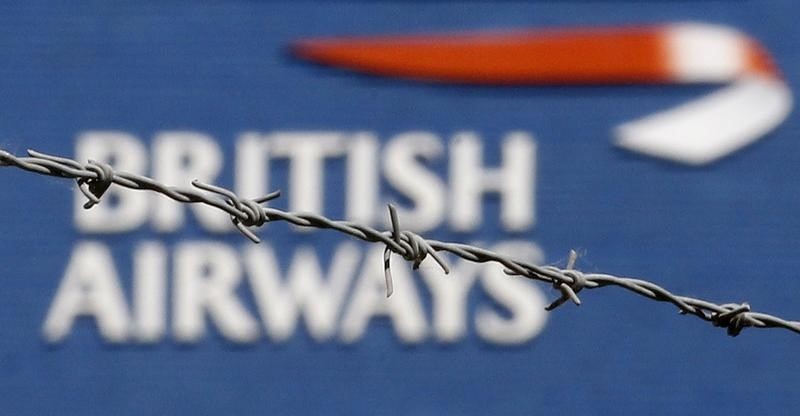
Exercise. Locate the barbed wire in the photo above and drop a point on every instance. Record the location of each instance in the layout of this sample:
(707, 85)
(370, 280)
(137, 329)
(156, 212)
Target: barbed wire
(94, 178)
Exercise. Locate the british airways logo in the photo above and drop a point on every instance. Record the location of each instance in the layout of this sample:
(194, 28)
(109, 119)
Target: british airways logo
(180, 289)
(754, 102)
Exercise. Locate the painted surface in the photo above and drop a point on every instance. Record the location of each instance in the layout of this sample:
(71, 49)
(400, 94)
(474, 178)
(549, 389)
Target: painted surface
(142, 306)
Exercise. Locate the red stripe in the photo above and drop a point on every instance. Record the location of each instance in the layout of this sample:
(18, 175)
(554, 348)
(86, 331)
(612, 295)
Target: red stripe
(571, 56)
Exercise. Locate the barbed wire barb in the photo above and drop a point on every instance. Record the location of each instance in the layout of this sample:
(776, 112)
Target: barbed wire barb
(94, 179)
(569, 291)
(414, 248)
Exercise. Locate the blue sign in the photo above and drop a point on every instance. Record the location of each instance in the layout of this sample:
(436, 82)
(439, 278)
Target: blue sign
(654, 138)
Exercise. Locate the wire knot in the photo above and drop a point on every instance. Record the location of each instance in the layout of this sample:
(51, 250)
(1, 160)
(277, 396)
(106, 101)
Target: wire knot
(408, 245)
(251, 213)
(569, 291)
(94, 188)
(735, 318)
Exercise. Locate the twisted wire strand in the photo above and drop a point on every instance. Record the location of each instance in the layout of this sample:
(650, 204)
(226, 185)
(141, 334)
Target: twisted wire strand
(94, 179)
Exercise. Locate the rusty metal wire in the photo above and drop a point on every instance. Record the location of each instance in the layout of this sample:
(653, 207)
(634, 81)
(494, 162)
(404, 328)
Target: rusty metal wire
(94, 178)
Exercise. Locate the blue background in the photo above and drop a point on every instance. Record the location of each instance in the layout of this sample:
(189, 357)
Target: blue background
(726, 232)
